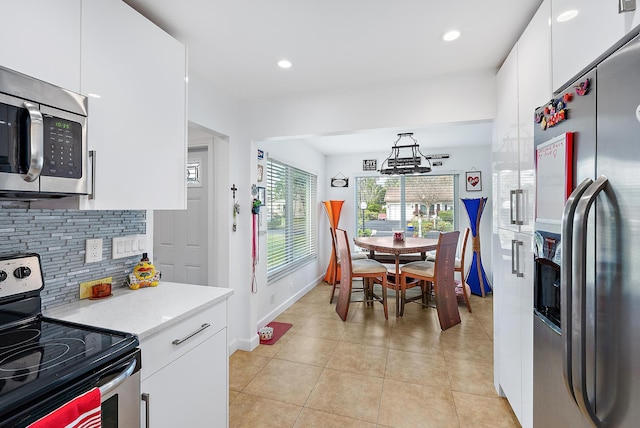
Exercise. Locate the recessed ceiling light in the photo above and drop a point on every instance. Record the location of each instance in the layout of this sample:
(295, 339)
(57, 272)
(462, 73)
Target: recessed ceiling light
(284, 63)
(451, 36)
(567, 16)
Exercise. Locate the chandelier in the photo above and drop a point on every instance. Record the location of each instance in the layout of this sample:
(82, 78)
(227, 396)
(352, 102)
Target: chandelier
(397, 165)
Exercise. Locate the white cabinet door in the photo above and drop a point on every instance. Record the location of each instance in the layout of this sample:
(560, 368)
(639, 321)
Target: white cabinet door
(191, 390)
(134, 74)
(42, 39)
(578, 42)
(505, 143)
(514, 323)
(534, 90)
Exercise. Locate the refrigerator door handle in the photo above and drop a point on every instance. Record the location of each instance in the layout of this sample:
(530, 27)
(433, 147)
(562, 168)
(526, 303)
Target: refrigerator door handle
(566, 288)
(579, 321)
(512, 195)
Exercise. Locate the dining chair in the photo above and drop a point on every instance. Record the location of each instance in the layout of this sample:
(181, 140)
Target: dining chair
(336, 264)
(462, 288)
(369, 270)
(438, 275)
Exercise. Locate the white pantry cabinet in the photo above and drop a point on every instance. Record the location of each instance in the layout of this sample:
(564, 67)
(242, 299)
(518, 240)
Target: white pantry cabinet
(579, 41)
(42, 40)
(135, 76)
(186, 384)
(523, 83)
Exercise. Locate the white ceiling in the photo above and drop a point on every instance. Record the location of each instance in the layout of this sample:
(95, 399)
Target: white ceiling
(341, 44)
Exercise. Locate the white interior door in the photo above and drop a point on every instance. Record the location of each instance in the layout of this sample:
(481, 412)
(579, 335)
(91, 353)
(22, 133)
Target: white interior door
(181, 250)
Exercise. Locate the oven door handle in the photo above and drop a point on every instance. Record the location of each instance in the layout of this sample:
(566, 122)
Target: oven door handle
(116, 381)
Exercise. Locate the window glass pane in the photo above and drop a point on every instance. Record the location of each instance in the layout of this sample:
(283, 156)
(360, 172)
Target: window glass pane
(419, 204)
(291, 218)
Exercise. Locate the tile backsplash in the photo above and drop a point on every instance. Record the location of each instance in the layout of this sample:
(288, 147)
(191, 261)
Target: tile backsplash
(59, 237)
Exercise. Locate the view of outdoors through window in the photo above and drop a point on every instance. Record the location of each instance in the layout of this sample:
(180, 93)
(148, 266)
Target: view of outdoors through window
(418, 204)
(291, 218)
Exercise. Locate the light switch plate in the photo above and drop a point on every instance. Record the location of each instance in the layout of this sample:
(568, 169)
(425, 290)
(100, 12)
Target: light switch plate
(127, 246)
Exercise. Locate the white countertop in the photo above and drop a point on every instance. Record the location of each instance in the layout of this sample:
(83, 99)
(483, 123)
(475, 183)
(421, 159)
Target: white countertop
(142, 312)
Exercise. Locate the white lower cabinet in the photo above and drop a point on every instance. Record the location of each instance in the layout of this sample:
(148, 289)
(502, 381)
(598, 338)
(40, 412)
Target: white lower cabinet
(186, 384)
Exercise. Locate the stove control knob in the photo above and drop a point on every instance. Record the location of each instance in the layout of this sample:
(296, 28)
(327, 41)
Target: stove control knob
(22, 272)
(3, 275)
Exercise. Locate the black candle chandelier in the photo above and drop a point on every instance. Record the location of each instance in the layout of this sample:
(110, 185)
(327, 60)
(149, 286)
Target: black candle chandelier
(397, 165)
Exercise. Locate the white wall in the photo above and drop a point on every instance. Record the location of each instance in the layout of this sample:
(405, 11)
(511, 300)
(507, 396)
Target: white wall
(465, 97)
(287, 290)
(461, 159)
(213, 109)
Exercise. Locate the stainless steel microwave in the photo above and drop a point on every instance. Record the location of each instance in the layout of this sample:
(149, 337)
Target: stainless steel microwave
(43, 139)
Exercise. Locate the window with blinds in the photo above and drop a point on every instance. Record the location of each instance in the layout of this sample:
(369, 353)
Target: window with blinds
(291, 218)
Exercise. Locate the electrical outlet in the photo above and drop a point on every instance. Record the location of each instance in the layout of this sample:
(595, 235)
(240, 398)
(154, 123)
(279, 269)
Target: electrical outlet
(93, 251)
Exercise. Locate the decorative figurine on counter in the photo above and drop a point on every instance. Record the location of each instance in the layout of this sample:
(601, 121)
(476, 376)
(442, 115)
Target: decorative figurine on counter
(144, 274)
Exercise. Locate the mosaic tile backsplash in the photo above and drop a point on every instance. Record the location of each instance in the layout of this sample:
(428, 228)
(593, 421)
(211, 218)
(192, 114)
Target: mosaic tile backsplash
(59, 237)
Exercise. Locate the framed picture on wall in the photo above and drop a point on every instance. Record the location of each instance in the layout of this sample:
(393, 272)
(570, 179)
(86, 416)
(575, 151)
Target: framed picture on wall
(474, 181)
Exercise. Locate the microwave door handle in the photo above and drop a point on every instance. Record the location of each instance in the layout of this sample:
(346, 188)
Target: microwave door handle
(566, 278)
(36, 142)
(579, 295)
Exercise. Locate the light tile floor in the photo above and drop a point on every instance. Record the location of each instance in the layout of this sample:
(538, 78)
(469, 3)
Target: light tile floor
(370, 372)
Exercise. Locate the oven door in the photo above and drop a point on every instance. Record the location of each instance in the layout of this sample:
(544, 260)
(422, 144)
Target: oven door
(120, 392)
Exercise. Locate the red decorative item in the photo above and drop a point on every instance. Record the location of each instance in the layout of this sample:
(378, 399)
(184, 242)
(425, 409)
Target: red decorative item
(583, 88)
(567, 97)
(546, 110)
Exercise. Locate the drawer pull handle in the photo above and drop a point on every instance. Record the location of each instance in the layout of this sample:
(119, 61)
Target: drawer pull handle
(189, 336)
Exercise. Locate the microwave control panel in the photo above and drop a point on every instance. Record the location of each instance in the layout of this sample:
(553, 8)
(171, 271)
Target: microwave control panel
(62, 148)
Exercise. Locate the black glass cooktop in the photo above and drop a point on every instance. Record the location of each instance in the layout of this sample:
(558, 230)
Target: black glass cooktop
(41, 354)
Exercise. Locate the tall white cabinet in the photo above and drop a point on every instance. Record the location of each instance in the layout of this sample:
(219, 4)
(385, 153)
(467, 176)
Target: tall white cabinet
(135, 76)
(523, 83)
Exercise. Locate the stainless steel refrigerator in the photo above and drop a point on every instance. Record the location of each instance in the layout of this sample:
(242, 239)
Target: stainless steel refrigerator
(587, 264)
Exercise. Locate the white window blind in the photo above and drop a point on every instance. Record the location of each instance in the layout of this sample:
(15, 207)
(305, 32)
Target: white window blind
(291, 218)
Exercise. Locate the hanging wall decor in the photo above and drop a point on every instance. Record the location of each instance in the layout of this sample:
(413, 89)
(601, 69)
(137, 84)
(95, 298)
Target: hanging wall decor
(339, 180)
(474, 181)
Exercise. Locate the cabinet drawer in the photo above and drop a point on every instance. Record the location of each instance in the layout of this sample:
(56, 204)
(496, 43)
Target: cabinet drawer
(159, 350)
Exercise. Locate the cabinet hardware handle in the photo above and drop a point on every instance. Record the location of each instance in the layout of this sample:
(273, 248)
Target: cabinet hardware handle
(512, 193)
(515, 258)
(92, 156)
(36, 142)
(147, 408)
(189, 336)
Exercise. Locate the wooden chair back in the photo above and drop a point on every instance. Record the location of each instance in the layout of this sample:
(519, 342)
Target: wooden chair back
(344, 255)
(444, 271)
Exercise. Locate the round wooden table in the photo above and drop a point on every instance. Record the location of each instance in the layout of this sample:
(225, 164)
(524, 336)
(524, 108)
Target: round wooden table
(387, 245)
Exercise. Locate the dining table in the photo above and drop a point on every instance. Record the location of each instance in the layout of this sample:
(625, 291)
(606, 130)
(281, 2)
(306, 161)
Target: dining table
(390, 245)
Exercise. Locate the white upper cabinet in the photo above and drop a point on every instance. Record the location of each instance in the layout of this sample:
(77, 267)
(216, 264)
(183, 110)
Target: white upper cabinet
(505, 150)
(135, 76)
(534, 90)
(579, 41)
(42, 40)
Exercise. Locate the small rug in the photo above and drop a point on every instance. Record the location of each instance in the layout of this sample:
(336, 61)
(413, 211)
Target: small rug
(279, 328)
